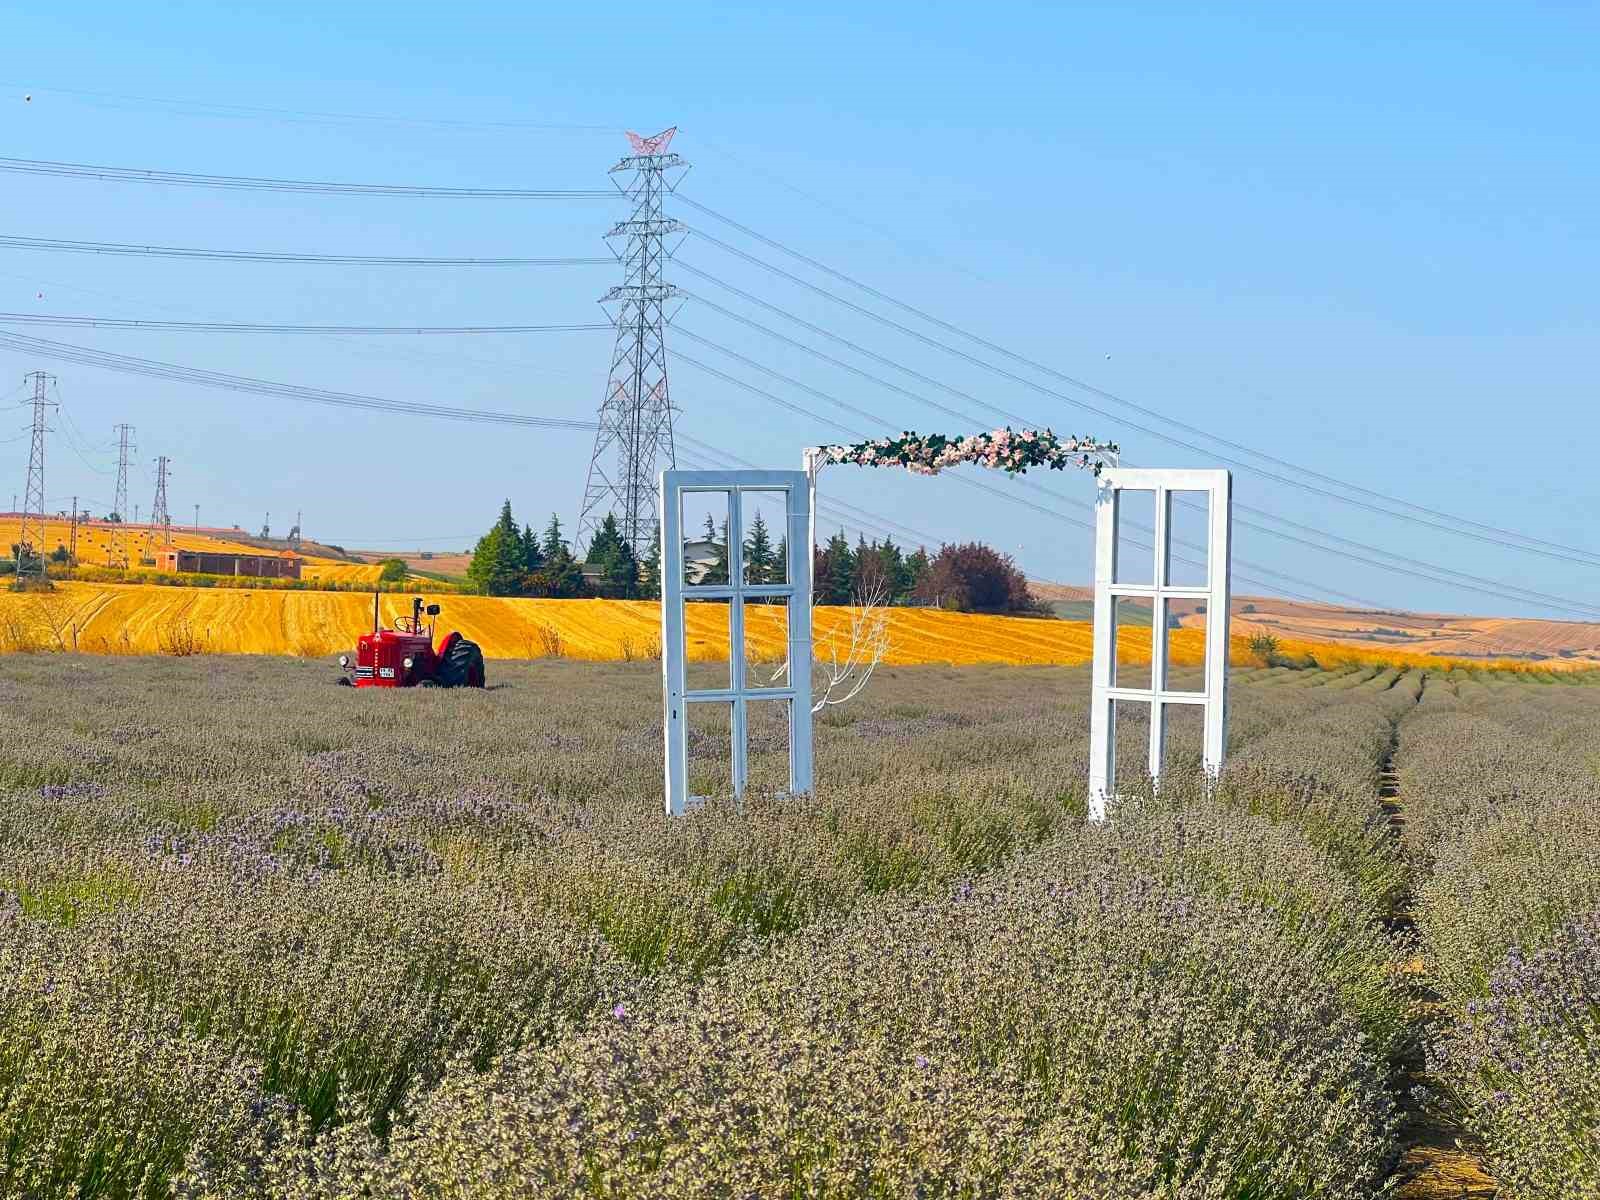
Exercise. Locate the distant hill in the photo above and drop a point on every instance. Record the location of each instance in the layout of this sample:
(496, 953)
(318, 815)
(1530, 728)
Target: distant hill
(447, 564)
(1526, 638)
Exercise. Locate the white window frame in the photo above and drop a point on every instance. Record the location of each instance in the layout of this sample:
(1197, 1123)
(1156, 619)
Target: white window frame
(1217, 594)
(797, 591)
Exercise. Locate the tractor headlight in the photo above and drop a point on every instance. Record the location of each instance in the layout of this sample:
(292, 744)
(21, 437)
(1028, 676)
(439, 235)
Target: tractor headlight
(406, 662)
(344, 660)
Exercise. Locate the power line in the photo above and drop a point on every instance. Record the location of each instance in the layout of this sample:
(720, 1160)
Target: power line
(313, 116)
(239, 383)
(864, 521)
(1591, 559)
(13, 318)
(1540, 597)
(389, 352)
(147, 367)
(1053, 513)
(248, 183)
(76, 441)
(155, 369)
(1491, 587)
(1472, 581)
(278, 256)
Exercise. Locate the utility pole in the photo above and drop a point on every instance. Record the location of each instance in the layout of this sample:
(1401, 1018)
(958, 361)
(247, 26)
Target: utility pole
(117, 551)
(72, 548)
(158, 511)
(197, 516)
(636, 414)
(30, 546)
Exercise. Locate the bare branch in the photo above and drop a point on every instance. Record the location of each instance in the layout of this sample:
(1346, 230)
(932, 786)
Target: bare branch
(58, 615)
(845, 665)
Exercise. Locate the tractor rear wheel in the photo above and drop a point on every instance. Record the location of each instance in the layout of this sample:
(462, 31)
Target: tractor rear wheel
(461, 666)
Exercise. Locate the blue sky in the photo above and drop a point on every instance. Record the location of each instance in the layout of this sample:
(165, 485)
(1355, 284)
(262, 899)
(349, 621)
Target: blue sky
(1362, 240)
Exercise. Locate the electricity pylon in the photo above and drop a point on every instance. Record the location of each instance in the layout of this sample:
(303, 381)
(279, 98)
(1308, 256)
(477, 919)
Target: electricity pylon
(158, 511)
(636, 415)
(30, 545)
(117, 549)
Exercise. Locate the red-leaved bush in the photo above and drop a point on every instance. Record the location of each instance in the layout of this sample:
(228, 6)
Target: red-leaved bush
(976, 578)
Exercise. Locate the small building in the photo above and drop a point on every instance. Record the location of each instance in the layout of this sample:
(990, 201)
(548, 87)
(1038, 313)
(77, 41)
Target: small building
(210, 562)
(699, 556)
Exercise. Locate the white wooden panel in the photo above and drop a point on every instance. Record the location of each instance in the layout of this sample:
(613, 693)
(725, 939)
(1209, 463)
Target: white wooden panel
(1102, 732)
(1217, 594)
(674, 718)
(796, 487)
(1219, 612)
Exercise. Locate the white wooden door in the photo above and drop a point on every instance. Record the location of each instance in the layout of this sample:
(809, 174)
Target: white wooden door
(739, 595)
(1139, 577)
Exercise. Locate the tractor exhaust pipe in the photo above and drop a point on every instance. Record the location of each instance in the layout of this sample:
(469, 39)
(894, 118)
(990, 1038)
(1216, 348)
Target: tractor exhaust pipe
(375, 596)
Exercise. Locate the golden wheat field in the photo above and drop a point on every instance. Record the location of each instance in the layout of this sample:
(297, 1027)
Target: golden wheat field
(340, 572)
(134, 619)
(112, 618)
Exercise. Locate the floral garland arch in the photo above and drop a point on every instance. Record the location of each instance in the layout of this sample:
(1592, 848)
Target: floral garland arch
(1002, 449)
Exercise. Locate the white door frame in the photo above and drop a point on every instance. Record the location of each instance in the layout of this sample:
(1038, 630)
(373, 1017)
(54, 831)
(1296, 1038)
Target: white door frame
(1216, 592)
(796, 591)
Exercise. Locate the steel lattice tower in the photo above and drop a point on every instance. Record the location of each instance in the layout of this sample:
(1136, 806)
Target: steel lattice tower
(158, 510)
(30, 545)
(117, 551)
(636, 415)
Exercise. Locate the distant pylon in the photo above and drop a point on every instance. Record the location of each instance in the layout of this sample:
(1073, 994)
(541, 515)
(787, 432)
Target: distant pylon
(158, 511)
(30, 545)
(636, 415)
(117, 544)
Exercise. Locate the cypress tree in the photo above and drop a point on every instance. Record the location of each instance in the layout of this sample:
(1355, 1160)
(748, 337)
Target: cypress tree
(895, 575)
(554, 543)
(496, 568)
(559, 576)
(917, 568)
(835, 582)
(761, 563)
(650, 569)
(532, 556)
(717, 572)
(619, 567)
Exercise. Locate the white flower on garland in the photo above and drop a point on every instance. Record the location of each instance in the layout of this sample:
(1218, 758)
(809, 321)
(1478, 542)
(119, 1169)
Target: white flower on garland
(1003, 449)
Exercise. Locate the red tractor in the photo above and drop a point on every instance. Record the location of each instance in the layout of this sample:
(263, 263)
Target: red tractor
(404, 656)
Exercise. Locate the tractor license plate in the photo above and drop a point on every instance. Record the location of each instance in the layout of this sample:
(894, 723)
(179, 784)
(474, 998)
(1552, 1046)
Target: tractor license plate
(385, 672)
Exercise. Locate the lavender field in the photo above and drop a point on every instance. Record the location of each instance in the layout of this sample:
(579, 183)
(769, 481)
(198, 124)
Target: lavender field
(265, 937)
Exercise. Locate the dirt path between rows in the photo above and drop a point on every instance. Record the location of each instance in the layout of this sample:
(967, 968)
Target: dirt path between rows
(1438, 1162)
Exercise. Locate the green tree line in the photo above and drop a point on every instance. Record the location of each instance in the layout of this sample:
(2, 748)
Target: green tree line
(972, 577)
